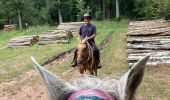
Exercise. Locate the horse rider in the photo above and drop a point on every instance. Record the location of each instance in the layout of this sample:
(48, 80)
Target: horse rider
(88, 30)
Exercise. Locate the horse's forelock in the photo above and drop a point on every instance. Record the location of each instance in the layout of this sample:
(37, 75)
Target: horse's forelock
(108, 84)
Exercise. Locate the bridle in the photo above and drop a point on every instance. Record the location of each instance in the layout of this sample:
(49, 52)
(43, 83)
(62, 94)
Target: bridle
(93, 94)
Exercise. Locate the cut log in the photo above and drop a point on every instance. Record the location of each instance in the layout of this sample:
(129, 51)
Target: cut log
(149, 32)
(138, 51)
(148, 39)
(149, 46)
(53, 37)
(59, 32)
(23, 41)
(156, 58)
(53, 42)
(72, 26)
(151, 27)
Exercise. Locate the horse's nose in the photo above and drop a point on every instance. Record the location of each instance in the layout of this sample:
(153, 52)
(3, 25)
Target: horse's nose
(80, 61)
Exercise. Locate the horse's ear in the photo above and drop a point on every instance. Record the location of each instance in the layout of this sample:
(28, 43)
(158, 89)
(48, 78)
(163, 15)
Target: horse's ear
(131, 80)
(57, 87)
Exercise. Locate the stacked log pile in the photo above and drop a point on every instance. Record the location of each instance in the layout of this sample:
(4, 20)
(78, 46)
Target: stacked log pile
(149, 37)
(53, 39)
(60, 35)
(67, 33)
(72, 26)
(44, 39)
(9, 27)
(23, 41)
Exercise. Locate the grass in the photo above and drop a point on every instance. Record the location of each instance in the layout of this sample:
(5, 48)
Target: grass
(108, 56)
(13, 62)
(6, 36)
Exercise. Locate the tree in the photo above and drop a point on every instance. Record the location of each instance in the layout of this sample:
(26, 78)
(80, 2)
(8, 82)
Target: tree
(59, 12)
(158, 9)
(104, 11)
(12, 7)
(117, 9)
(47, 4)
(82, 9)
(73, 10)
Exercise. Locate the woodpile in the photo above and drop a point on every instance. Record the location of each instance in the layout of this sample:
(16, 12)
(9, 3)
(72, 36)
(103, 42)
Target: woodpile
(149, 37)
(9, 27)
(23, 41)
(60, 35)
(72, 26)
(67, 33)
(53, 39)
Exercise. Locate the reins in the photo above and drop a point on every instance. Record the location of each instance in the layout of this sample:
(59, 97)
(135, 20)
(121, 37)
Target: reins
(90, 52)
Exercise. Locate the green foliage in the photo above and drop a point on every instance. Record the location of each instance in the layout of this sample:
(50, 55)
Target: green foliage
(34, 12)
(82, 9)
(158, 9)
(98, 14)
(139, 6)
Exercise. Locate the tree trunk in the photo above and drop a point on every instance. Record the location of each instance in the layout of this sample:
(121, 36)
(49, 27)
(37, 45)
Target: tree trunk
(60, 16)
(9, 19)
(19, 19)
(59, 13)
(104, 9)
(117, 9)
(47, 4)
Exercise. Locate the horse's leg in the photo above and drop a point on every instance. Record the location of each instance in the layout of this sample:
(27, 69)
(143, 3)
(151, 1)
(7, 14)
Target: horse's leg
(95, 70)
(81, 69)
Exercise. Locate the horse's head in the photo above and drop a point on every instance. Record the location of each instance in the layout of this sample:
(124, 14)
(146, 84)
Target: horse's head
(94, 88)
(82, 50)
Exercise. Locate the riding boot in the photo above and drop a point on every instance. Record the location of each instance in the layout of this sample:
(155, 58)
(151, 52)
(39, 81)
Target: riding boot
(74, 64)
(97, 55)
(99, 65)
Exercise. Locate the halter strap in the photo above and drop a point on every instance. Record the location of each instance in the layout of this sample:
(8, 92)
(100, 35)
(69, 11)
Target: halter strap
(91, 93)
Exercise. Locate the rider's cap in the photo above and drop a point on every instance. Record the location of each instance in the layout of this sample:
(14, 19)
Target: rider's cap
(87, 15)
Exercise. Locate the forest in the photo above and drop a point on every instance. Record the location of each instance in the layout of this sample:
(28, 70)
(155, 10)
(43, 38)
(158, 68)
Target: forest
(53, 12)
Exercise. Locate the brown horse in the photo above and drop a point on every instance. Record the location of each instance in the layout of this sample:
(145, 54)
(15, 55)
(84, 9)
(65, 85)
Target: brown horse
(85, 57)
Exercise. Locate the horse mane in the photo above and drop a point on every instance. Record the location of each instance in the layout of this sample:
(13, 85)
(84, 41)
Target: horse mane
(108, 84)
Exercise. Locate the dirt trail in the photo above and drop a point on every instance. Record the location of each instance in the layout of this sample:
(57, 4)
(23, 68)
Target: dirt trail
(28, 86)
